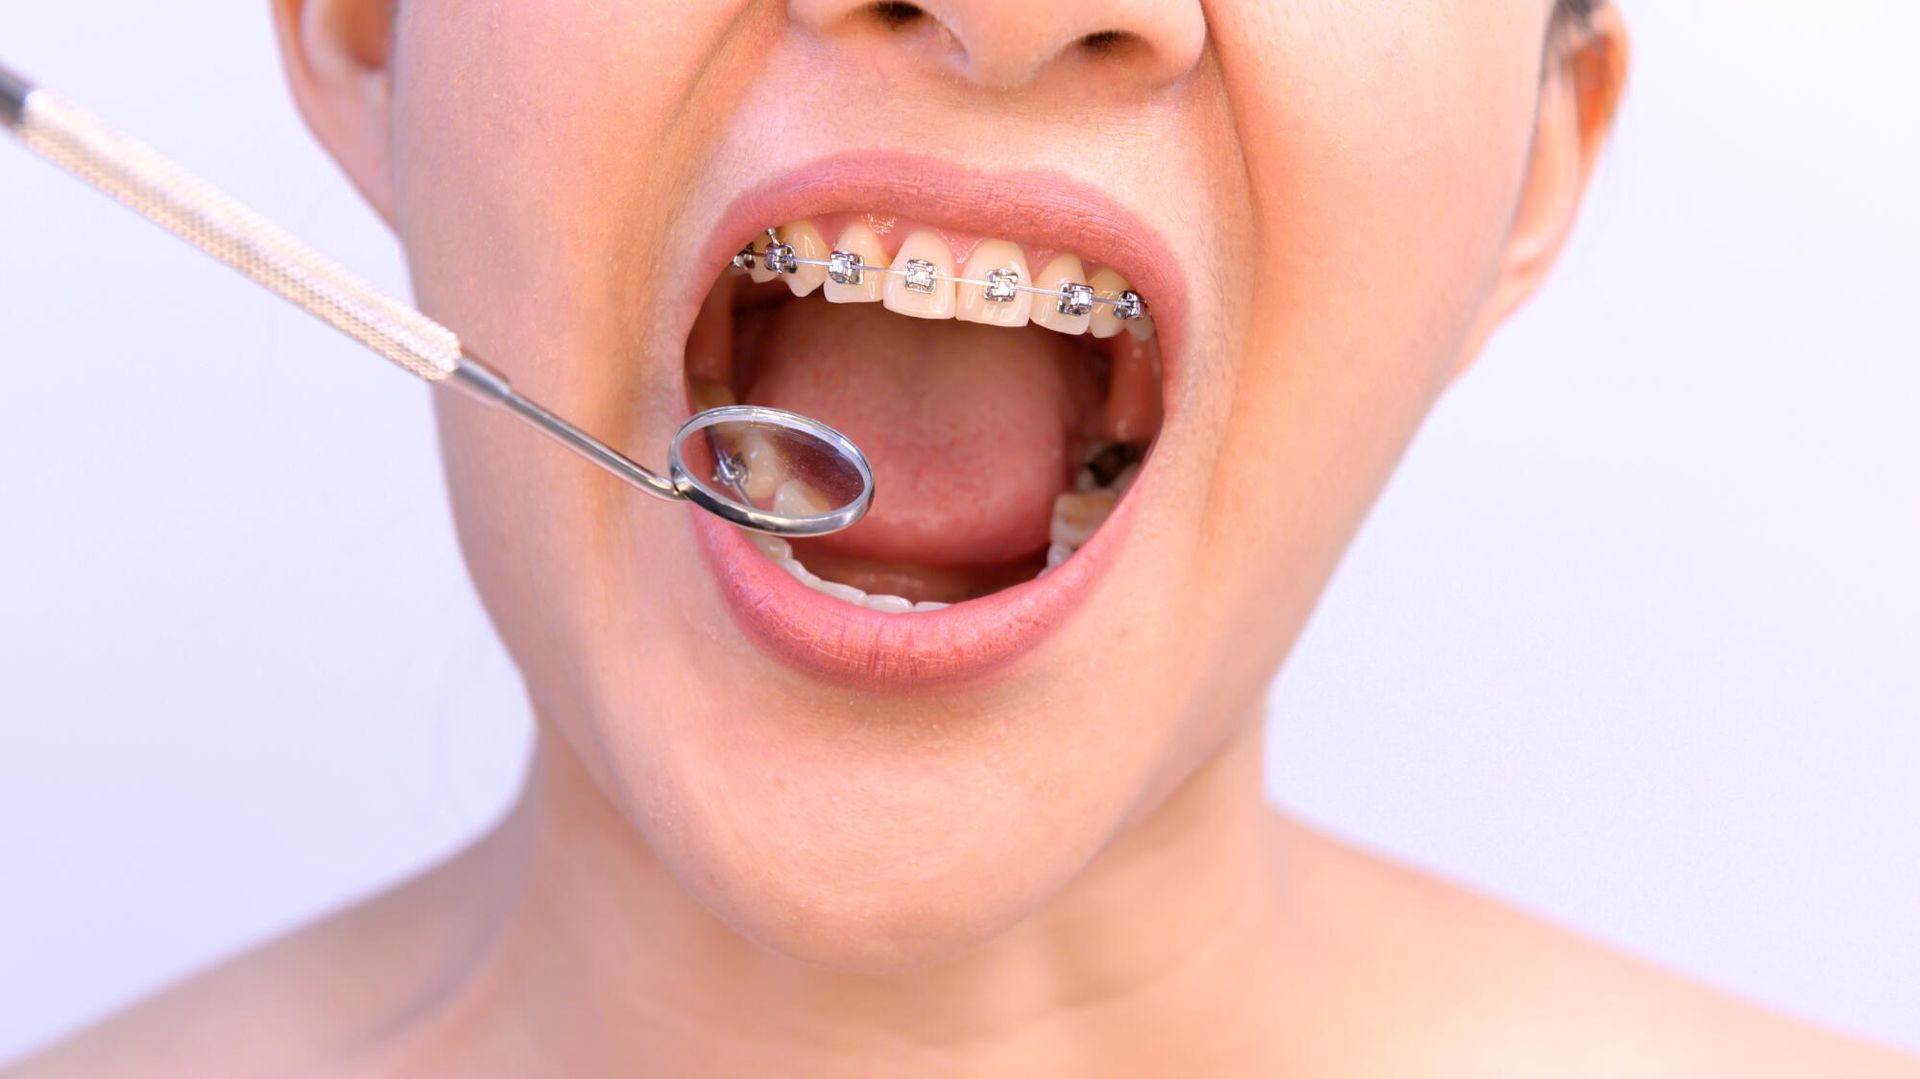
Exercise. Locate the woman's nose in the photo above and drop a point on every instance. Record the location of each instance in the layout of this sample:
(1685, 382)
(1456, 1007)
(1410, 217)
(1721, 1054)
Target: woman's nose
(1007, 44)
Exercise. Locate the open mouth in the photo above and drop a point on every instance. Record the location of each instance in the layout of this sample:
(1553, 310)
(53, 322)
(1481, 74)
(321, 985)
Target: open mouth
(1006, 392)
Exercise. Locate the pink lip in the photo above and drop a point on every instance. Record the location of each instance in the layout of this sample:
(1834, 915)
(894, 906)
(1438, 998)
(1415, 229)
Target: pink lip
(867, 649)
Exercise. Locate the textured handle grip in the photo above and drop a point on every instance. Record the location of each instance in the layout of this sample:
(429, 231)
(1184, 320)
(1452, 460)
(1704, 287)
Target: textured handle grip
(197, 212)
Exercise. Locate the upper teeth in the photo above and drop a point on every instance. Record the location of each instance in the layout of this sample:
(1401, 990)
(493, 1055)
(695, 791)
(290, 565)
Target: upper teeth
(1062, 298)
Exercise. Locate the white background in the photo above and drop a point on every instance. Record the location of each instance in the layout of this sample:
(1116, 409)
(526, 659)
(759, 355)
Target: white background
(1632, 640)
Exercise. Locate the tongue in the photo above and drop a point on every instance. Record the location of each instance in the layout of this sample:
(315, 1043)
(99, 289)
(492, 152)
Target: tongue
(966, 426)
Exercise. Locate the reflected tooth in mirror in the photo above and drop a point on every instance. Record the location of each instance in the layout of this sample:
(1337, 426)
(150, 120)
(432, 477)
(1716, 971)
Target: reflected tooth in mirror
(1061, 270)
(1105, 321)
(1078, 514)
(797, 498)
(971, 302)
(766, 464)
(807, 243)
(707, 393)
(860, 240)
(930, 293)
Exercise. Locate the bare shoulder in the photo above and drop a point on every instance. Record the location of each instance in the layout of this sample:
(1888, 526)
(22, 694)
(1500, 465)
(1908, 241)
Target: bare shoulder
(1499, 992)
(312, 1002)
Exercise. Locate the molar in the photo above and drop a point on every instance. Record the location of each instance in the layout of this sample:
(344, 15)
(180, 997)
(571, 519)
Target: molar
(1046, 309)
(707, 393)
(972, 304)
(797, 498)
(860, 240)
(1105, 320)
(929, 298)
(1077, 515)
(807, 243)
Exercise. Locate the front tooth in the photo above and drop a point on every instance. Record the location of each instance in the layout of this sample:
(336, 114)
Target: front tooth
(798, 572)
(844, 592)
(807, 243)
(888, 604)
(1062, 270)
(932, 298)
(931, 605)
(1104, 322)
(1141, 328)
(772, 546)
(1058, 553)
(1078, 514)
(860, 240)
(972, 304)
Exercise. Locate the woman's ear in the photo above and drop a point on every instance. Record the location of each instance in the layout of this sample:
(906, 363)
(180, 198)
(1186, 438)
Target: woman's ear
(338, 55)
(1581, 85)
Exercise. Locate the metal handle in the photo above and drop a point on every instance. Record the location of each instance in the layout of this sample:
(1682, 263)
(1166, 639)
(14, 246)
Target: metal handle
(209, 219)
(199, 213)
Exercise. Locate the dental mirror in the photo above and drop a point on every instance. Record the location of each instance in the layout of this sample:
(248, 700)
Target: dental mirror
(771, 470)
(759, 468)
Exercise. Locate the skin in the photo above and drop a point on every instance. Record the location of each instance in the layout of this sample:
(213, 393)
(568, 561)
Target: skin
(723, 867)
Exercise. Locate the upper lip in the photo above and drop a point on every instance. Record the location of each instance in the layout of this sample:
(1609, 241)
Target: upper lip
(824, 636)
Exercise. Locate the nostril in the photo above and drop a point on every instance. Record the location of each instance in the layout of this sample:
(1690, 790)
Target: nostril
(1108, 42)
(894, 14)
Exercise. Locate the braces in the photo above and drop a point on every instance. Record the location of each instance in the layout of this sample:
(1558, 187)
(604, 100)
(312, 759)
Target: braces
(1001, 286)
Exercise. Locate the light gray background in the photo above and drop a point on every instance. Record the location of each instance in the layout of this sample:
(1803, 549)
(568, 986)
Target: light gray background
(1632, 640)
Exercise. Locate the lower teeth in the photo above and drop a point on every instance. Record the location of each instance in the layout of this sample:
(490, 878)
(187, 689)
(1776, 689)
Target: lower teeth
(1077, 515)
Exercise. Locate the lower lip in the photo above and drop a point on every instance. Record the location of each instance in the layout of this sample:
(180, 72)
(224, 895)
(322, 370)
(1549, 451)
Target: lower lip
(871, 650)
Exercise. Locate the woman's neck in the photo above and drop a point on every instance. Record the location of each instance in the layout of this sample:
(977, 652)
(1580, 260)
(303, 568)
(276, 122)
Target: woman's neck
(601, 960)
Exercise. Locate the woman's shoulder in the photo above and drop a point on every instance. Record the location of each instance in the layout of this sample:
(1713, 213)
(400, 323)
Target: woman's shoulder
(318, 1001)
(1499, 992)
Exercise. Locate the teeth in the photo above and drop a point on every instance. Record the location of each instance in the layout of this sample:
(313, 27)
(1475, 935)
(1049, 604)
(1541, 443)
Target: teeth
(782, 554)
(1105, 320)
(926, 290)
(797, 498)
(1077, 515)
(973, 304)
(1063, 270)
(860, 240)
(708, 394)
(761, 273)
(766, 464)
(807, 243)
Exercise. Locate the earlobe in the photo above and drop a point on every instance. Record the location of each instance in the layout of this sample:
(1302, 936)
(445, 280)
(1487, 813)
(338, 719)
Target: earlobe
(1579, 95)
(338, 57)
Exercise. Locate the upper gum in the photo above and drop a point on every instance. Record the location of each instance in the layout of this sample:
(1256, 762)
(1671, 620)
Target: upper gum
(959, 242)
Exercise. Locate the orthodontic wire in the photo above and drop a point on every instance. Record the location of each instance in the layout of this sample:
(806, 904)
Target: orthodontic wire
(1132, 305)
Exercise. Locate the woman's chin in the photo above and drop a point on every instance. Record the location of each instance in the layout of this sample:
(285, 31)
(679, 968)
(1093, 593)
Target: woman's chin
(866, 865)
